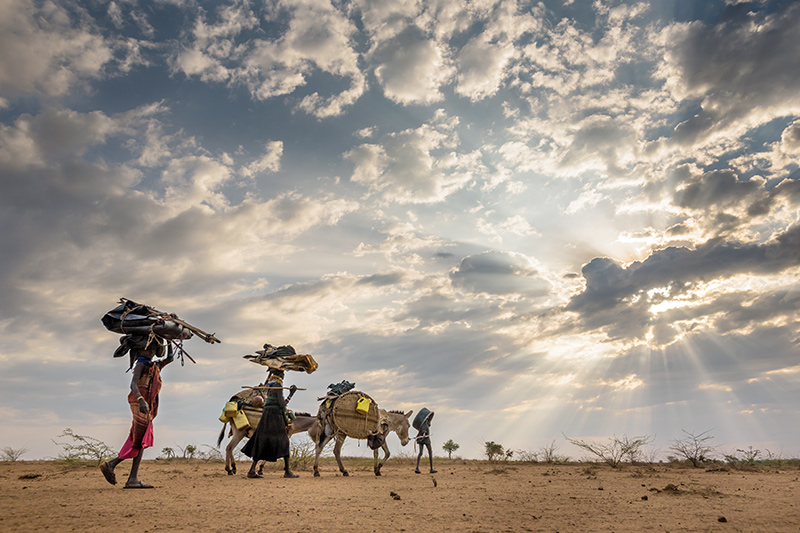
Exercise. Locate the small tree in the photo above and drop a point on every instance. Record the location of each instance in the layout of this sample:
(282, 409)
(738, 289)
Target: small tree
(83, 447)
(493, 450)
(12, 454)
(168, 452)
(450, 447)
(694, 447)
(617, 449)
(189, 451)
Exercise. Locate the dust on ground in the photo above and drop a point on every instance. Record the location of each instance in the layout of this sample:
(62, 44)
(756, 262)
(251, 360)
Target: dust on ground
(463, 496)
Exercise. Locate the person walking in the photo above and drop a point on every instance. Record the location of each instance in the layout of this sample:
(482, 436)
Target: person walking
(270, 441)
(422, 423)
(148, 361)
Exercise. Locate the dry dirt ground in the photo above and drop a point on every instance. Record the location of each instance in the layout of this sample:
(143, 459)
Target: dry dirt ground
(464, 496)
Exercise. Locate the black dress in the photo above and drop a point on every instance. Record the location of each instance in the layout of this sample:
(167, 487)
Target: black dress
(270, 442)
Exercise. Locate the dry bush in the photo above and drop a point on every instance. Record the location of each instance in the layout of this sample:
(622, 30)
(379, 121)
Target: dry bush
(301, 453)
(12, 454)
(617, 450)
(82, 447)
(694, 447)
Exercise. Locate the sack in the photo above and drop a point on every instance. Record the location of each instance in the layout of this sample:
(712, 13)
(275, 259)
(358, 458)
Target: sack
(363, 405)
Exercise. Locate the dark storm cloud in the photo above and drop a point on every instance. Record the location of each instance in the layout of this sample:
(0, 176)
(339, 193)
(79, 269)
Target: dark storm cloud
(740, 66)
(718, 189)
(616, 296)
(788, 191)
(723, 199)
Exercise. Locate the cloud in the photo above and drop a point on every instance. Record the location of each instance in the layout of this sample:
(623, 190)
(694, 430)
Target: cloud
(744, 71)
(419, 165)
(411, 67)
(43, 50)
(270, 161)
(499, 274)
(481, 68)
(621, 299)
(317, 37)
(401, 239)
(514, 225)
(719, 189)
(790, 138)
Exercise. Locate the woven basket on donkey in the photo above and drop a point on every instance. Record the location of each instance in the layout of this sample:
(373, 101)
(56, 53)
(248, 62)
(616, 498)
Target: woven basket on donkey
(347, 420)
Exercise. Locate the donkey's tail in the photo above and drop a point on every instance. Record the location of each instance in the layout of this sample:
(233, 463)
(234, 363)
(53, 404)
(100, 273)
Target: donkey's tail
(221, 434)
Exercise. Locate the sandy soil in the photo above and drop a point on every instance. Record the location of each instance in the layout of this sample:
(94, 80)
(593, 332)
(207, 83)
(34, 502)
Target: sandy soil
(464, 496)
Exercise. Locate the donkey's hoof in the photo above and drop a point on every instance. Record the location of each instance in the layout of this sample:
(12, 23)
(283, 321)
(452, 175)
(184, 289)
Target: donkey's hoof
(316, 474)
(345, 474)
(231, 472)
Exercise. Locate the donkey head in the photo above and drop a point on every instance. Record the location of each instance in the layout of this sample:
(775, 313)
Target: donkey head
(400, 425)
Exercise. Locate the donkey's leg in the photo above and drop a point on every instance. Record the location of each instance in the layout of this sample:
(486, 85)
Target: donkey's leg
(337, 452)
(321, 441)
(219, 441)
(230, 463)
(378, 464)
(386, 454)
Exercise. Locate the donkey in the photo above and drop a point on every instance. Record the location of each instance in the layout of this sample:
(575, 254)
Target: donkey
(322, 433)
(302, 422)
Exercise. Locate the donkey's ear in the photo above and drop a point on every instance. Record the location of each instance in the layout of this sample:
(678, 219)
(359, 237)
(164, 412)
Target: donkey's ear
(408, 414)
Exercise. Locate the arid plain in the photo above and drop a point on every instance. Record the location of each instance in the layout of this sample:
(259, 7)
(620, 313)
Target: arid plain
(463, 496)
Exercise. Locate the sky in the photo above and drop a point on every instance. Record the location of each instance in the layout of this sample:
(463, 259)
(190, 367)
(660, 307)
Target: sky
(539, 219)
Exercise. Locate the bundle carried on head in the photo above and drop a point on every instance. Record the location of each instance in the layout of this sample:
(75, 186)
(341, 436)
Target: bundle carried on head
(131, 318)
(142, 325)
(283, 358)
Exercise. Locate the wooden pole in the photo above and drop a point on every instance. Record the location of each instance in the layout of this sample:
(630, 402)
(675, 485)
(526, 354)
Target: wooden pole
(273, 388)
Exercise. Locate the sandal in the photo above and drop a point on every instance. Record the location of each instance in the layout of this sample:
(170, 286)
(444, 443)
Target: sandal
(108, 473)
(138, 485)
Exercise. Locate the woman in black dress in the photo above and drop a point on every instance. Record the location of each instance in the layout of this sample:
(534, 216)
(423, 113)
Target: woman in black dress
(271, 439)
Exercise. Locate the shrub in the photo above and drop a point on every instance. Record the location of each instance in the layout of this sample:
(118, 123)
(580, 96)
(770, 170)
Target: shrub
(12, 454)
(616, 450)
(741, 458)
(83, 447)
(694, 447)
(549, 453)
(168, 452)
